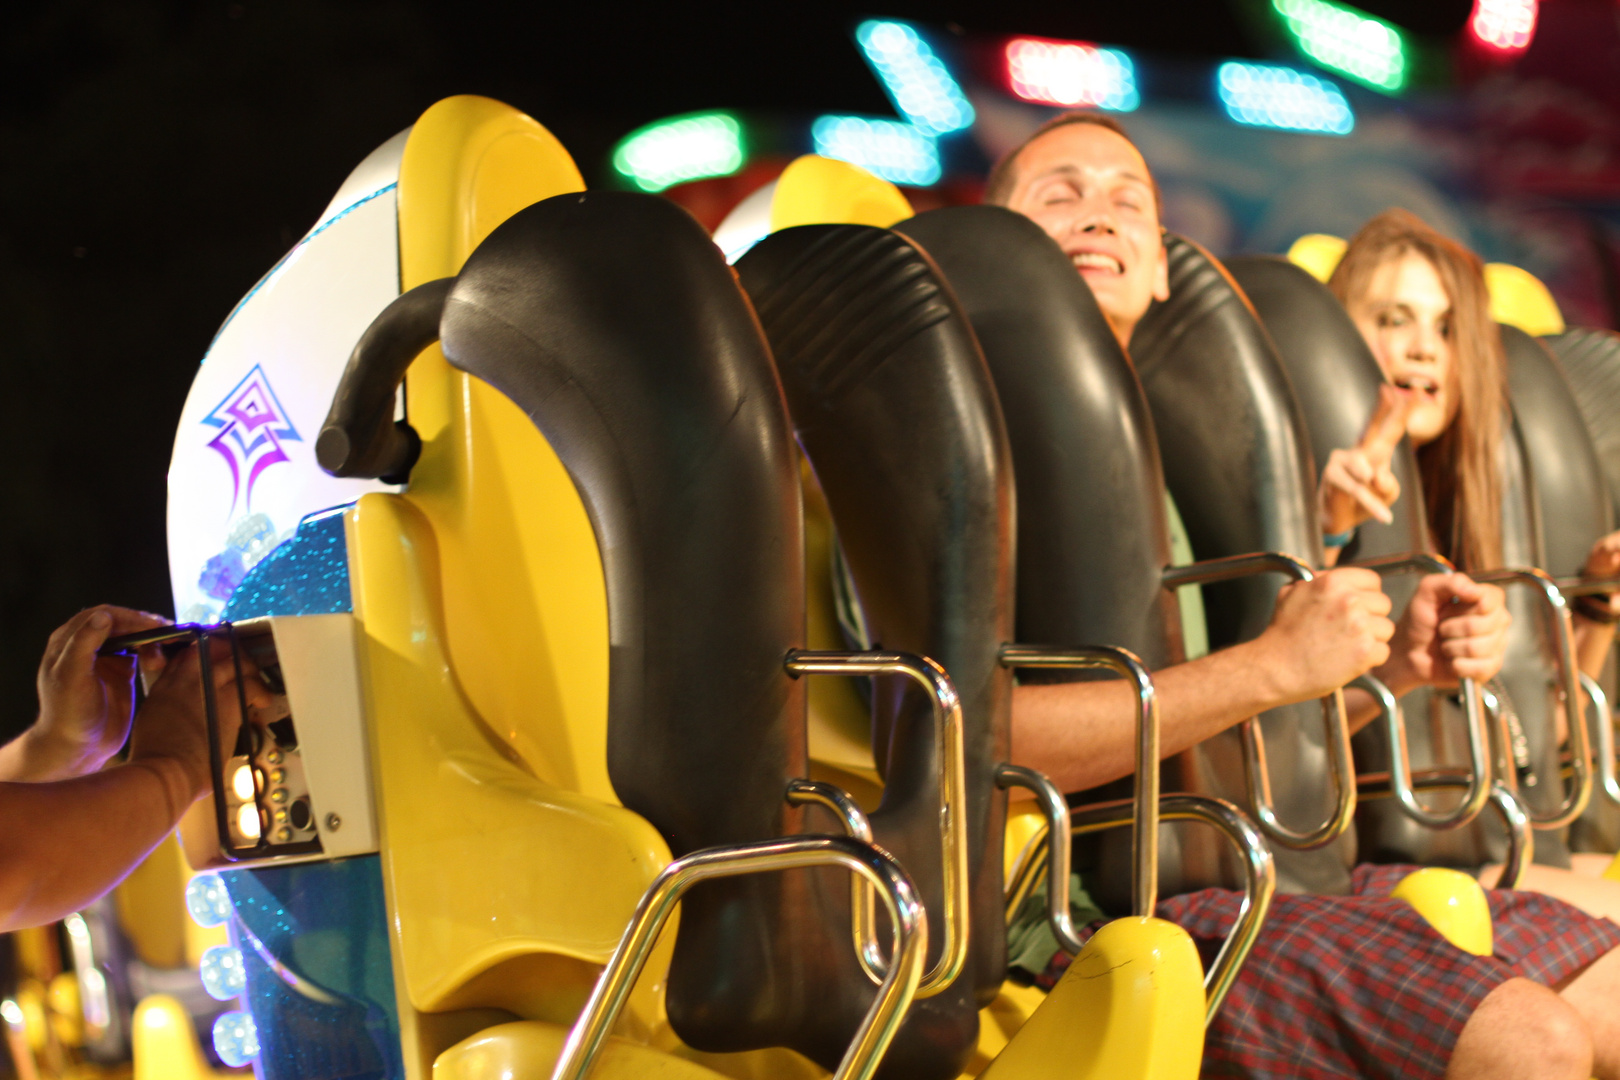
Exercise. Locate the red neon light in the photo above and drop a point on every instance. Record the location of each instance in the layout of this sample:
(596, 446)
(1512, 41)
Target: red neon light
(1060, 72)
(1504, 25)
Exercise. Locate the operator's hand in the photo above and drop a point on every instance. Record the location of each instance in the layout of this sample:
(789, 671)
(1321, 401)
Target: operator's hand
(85, 700)
(1603, 562)
(171, 728)
(1454, 628)
(1358, 483)
(1326, 632)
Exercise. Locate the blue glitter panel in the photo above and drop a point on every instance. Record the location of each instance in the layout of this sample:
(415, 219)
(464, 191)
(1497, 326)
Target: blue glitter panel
(307, 575)
(326, 924)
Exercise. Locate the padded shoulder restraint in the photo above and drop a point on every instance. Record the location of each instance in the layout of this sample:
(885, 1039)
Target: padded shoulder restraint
(614, 323)
(1238, 462)
(894, 408)
(1591, 360)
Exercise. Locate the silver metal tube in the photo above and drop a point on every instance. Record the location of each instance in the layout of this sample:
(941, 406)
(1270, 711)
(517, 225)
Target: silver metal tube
(1341, 766)
(1580, 746)
(1145, 834)
(1056, 810)
(1479, 763)
(952, 789)
(1573, 587)
(877, 1030)
(1400, 757)
(862, 897)
(1259, 875)
(1603, 732)
(1521, 837)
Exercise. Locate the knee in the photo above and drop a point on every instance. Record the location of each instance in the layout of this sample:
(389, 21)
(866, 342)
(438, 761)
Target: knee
(1523, 1029)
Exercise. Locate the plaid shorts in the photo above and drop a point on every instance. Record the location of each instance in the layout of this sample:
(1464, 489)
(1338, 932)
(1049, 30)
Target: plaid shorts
(1360, 986)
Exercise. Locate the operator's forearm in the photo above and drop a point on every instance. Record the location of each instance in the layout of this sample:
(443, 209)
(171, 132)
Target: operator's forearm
(66, 843)
(1084, 734)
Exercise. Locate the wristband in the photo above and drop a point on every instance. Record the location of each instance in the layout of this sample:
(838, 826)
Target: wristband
(1595, 610)
(1338, 540)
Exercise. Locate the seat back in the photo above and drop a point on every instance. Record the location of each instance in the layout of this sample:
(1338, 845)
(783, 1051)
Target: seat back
(893, 406)
(1093, 535)
(1591, 362)
(1238, 463)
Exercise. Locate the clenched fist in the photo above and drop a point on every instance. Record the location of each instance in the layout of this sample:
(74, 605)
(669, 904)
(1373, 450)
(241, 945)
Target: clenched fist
(1326, 632)
(1455, 628)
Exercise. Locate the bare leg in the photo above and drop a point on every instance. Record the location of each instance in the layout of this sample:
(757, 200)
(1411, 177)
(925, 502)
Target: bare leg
(1595, 994)
(1589, 864)
(1523, 1031)
(1596, 896)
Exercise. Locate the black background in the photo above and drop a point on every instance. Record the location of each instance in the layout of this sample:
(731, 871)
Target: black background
(157, 158)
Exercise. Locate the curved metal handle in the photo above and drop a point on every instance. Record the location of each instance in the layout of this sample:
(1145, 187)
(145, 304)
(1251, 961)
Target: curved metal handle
(877, 1030)
(360, 436)
(1603, 729)
(952, 789)
(862, 897)
(1341, 766)
(1055, 808)
(1145, 831)
(1580, 746)
(1259, 873)
(1521, 837)
(1400, 757)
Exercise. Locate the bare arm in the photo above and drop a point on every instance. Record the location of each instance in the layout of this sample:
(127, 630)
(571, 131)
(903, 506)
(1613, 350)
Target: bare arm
(1323, 634)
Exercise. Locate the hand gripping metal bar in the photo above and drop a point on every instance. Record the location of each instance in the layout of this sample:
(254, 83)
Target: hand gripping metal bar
(1521, 837)
(877, 1030)
(1580, 745)
(1479, 761)
(1340, 764)
(862, 897)
(1259, 873)
(1145, 830)
(1603, 734)
(952, 789)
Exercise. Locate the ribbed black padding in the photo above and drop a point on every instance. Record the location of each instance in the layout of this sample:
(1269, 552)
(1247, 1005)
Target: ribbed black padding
(612, 321)
(897, 414)
(1591, 361)
(1237, 459)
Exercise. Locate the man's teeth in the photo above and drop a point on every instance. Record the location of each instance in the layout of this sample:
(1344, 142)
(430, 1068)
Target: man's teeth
(1098, 260)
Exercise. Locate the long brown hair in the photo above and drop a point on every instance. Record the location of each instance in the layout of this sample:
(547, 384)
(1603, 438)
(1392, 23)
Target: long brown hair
(1461, 481)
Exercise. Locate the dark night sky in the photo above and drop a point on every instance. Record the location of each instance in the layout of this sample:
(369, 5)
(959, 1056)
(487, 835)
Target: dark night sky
(157, 158)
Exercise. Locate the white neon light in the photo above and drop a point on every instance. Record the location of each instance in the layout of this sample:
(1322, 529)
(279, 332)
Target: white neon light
(1071, 73)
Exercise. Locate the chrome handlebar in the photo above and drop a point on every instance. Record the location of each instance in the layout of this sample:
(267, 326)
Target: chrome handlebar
(1521, 837)
(952, 796)
(1341, 767)
(1603, 727)
(1145, 835)
(865, 1053)
(1400, 757)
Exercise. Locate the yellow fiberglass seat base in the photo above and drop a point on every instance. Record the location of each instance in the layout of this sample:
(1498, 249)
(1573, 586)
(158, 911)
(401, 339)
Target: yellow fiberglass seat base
(1132, 1005)
(1453, 903)
(531, 1048)
(165, 1045)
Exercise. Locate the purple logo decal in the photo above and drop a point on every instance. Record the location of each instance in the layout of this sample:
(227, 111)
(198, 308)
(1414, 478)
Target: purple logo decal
(252, 426)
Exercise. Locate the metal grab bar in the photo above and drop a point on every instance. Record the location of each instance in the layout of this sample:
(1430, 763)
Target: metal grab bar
(1145, 835)
(1341, 767)
(1479, 762)
(1603, 726)
(1576, 801)
(1573, 586)
(1521, 836)
(888, 1009)
(1055, 808)
(952, 789)
(1400, 757)
(1259, 873)
(862, 897)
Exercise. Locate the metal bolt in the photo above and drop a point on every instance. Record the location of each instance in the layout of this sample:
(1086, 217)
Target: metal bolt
(333, 823)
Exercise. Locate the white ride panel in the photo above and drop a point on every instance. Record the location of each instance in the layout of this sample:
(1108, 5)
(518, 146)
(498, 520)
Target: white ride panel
(243, 471)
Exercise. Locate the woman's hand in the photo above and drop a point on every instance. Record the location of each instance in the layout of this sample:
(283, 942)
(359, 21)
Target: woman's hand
(1603, 563)
(1358, 483)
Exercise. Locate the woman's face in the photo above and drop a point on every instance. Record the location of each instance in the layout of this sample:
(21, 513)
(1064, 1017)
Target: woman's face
(1405, 315)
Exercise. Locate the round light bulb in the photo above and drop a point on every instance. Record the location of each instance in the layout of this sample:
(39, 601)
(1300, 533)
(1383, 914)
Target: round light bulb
(236, 1038)
(223, 974)
(242, 783)
(247, 821)
(207, 901)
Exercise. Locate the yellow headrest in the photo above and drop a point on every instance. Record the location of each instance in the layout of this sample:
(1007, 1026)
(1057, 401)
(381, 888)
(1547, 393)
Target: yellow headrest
(1318, 253)
(821, 191)
(1518, 298)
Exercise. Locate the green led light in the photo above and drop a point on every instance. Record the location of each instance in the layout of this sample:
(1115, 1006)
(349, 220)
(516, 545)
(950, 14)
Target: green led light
(679, 149)
(1351, 42)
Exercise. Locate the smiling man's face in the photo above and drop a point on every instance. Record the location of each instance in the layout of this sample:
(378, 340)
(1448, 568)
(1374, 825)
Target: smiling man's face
(1089, 188)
